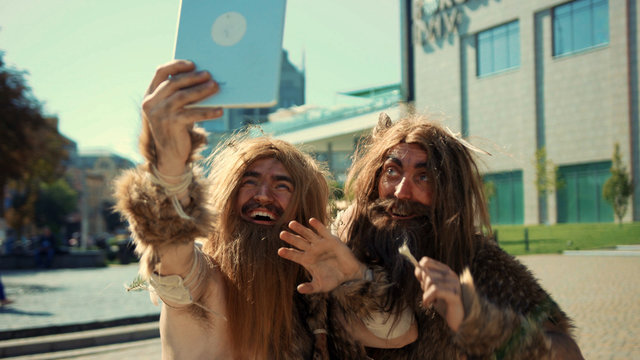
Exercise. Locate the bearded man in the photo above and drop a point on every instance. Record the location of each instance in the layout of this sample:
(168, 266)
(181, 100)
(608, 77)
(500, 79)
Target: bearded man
(234, 298)
(416, 183)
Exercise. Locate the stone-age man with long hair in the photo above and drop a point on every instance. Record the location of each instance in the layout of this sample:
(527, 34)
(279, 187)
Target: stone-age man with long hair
(234, 297)
(415, 183)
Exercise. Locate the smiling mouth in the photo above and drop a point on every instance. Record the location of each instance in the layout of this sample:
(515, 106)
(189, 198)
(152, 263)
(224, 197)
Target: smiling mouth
(400, 215)
(261, 216)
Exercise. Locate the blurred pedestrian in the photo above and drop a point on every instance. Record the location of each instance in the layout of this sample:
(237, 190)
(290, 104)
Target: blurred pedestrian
(45, 249)
(3, 298)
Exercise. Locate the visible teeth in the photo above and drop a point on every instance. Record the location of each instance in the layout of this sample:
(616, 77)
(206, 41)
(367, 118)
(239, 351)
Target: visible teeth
(263, 214)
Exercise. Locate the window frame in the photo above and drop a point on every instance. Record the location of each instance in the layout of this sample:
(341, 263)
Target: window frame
(571, 11)
(509, 36)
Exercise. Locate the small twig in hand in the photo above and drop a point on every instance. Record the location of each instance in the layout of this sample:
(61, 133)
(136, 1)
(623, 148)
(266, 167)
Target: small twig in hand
(404, 250)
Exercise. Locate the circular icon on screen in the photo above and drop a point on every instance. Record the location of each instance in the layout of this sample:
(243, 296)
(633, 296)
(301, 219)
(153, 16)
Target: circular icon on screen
(229, 28)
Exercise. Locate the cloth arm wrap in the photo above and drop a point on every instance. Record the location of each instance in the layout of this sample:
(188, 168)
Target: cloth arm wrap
(176, 290)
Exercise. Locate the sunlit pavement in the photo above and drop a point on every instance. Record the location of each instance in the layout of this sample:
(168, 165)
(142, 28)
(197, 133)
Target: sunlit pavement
(70, 296)
(600, 293)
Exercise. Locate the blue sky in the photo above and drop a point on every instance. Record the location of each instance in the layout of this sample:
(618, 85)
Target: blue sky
(90, 61)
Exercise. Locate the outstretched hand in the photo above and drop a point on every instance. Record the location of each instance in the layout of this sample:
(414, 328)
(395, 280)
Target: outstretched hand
(165, 117)
(329, 261)
(441, 288)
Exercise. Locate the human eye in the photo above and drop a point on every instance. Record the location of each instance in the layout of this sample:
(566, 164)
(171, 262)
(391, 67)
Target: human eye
(391, 171)
(249, 182)
(284, 186)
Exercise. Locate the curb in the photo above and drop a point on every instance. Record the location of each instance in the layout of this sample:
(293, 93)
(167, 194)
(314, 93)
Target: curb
(60, 329)
(600, 253)
(76, 340)
(620, 250)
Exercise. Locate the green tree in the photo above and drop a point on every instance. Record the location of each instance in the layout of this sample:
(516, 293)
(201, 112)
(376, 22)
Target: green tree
(54, 202)
(489, 189)
(547, 180)
(33, 151)
(618, 188)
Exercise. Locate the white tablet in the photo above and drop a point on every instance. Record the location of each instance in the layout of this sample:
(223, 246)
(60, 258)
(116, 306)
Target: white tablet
(239, 42)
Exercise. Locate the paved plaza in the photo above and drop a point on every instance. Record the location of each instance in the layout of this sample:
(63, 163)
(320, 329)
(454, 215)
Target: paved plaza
(71, 296)
(601, 294)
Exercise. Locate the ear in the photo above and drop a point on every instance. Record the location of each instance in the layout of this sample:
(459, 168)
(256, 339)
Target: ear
(384, 122)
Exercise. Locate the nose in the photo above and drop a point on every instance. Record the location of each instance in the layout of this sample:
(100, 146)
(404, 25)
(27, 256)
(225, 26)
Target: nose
(263, 194)
(404, 189)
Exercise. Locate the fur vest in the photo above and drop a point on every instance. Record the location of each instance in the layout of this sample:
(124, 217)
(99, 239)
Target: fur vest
(505, 311)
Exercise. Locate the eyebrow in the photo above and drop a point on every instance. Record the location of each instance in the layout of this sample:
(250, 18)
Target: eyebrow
(283, 178)
(251, 174)
(275, 177)
(398, 162)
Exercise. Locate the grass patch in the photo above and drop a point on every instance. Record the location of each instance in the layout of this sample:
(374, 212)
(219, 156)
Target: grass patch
(549, 239)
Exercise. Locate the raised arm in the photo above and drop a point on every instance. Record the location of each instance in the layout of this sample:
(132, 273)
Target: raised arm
(164, 199)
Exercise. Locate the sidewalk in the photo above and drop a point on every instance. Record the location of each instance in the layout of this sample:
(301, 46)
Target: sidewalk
(71, 296)
(600, 293)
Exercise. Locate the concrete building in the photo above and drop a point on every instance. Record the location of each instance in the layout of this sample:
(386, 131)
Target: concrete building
(331, 134)
(92, 175)
(519, 76)
(517, 79)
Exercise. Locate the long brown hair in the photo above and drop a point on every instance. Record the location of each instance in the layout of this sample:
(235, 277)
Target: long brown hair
(260, 287)
(458, 211)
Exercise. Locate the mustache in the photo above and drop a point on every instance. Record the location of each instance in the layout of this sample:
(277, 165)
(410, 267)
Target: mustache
(379, 213)
(398, 206)
(252, 204)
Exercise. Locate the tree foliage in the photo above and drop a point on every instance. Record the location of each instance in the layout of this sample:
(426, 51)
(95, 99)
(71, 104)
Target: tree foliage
(618, 188)
(54, 202)
(489, 188)
(547, 179)
(33, 151)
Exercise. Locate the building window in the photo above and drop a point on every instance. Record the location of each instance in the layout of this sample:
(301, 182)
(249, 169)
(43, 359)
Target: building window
(498, 49)
(580, 25)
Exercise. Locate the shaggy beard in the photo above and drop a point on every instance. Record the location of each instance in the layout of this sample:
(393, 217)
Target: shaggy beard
(258, 271)
(381, 236)
(261, 290)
